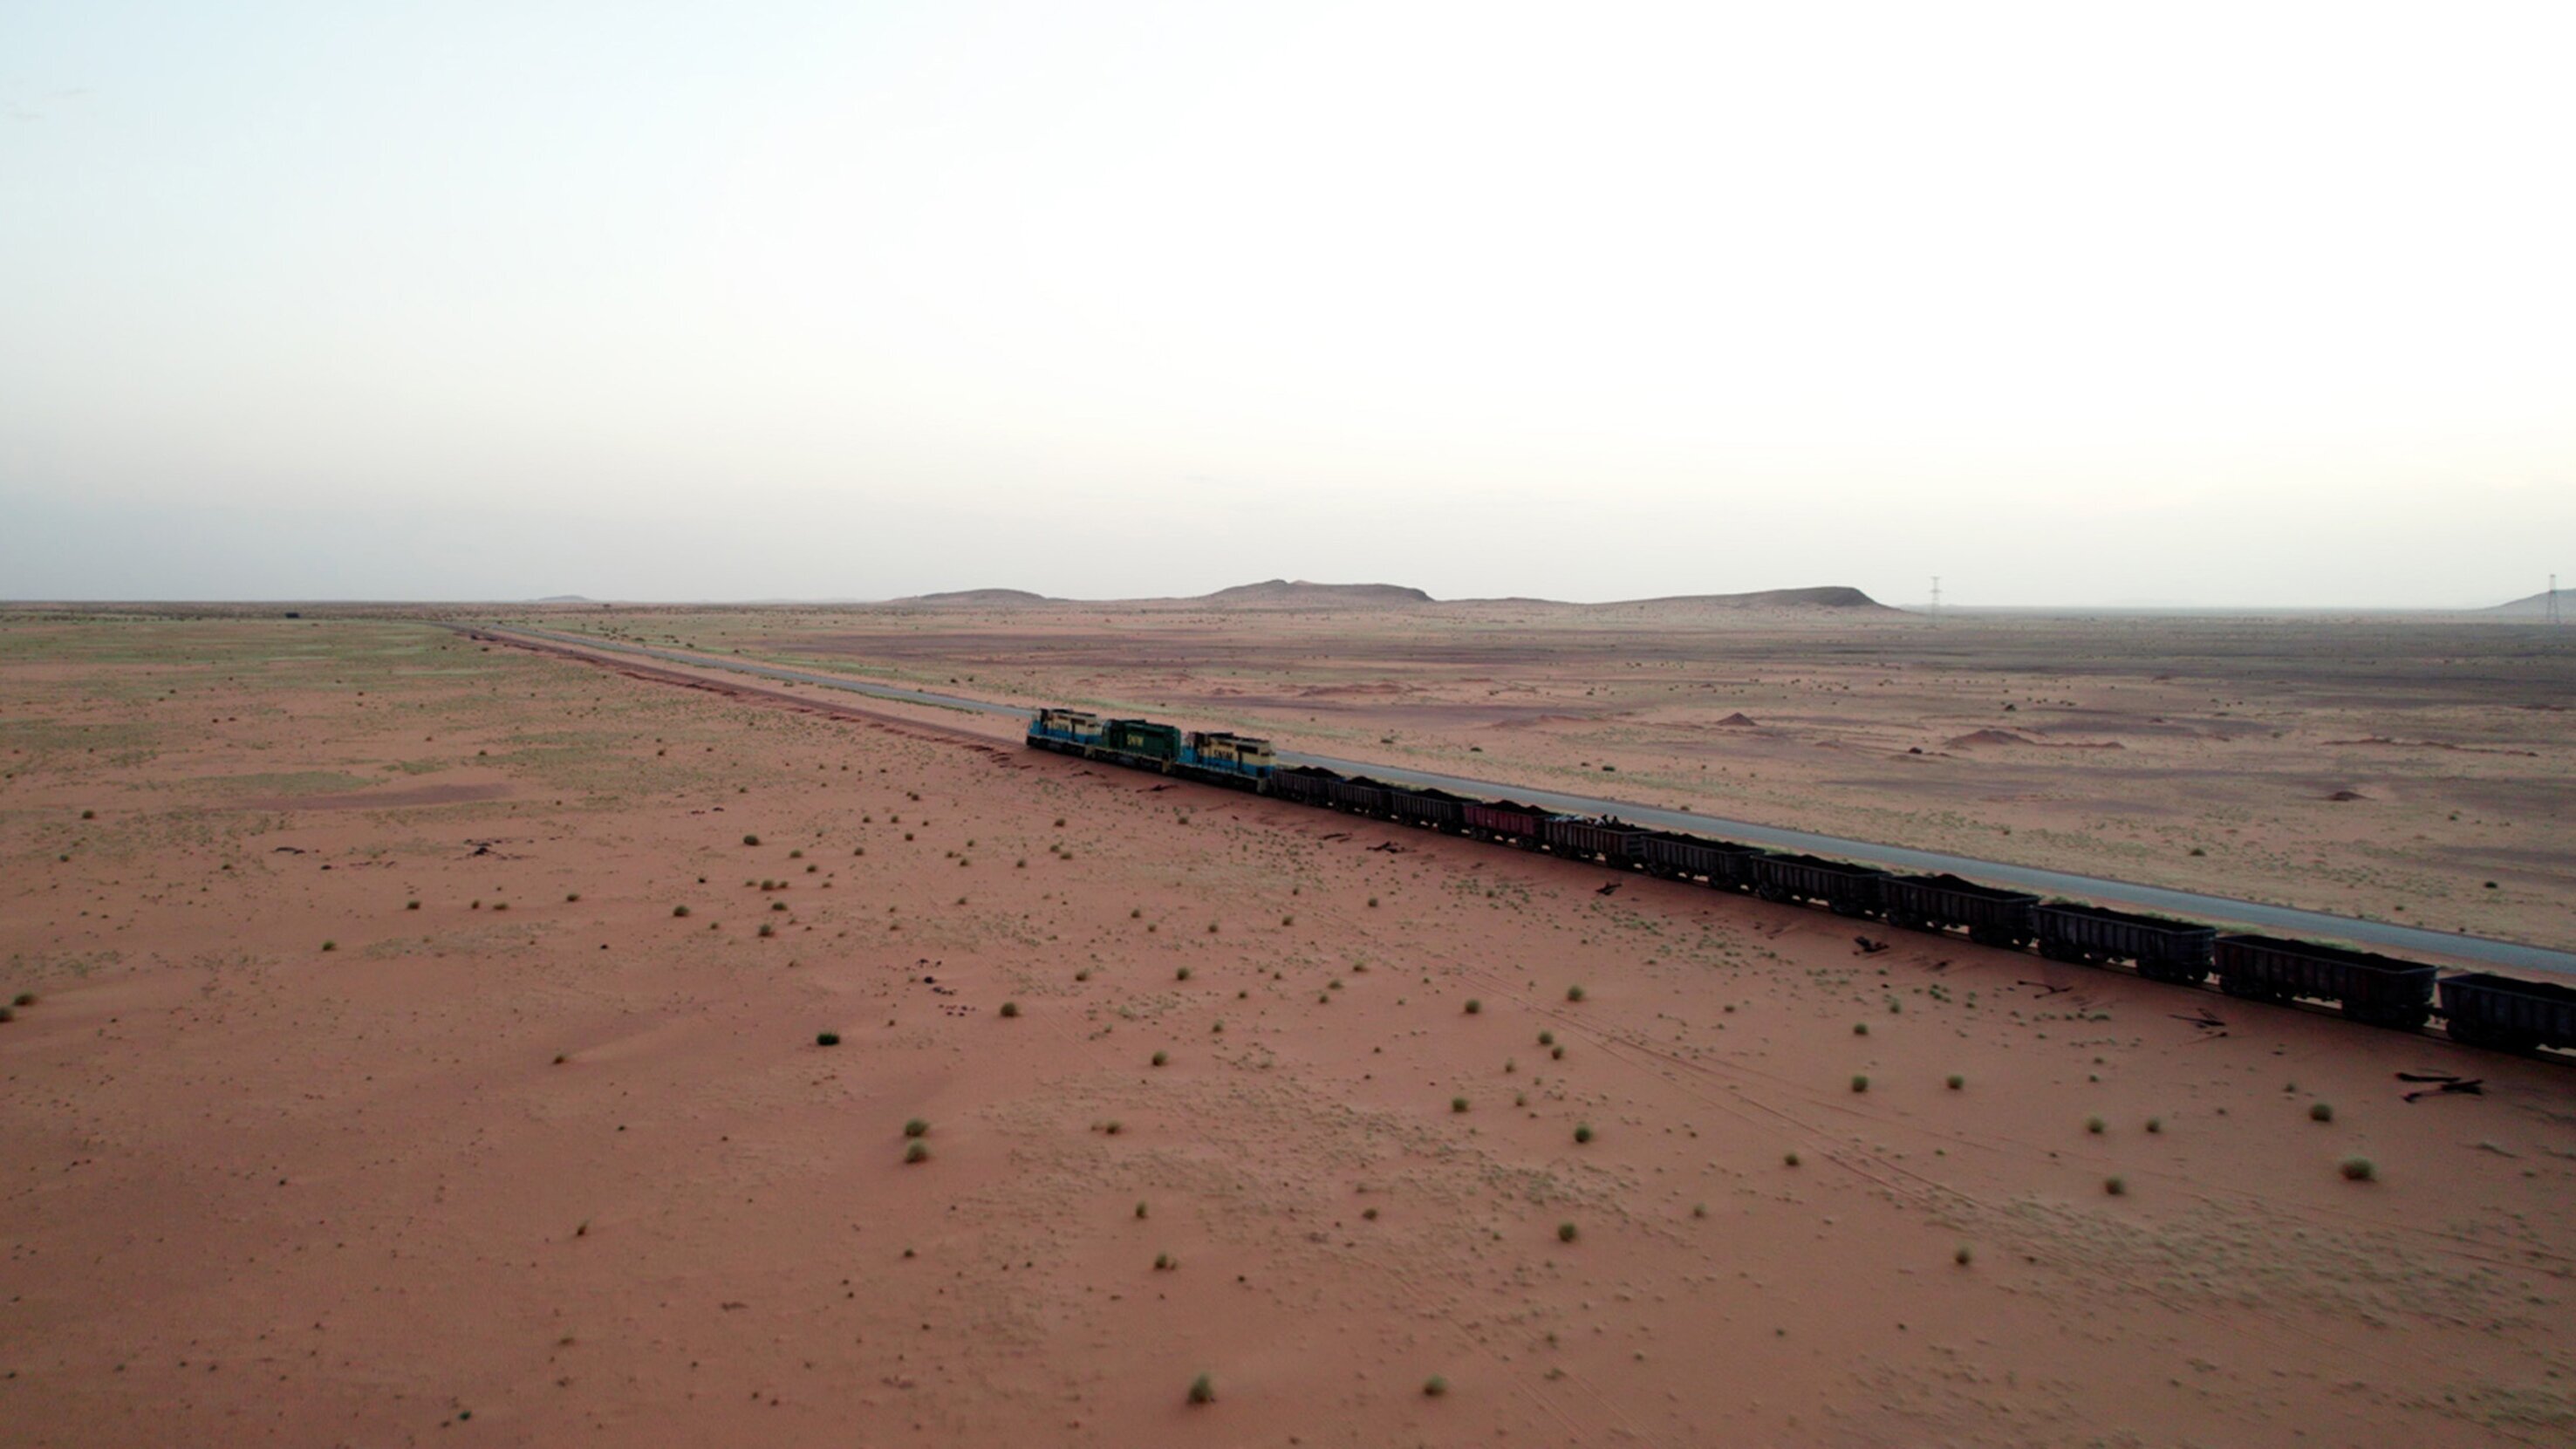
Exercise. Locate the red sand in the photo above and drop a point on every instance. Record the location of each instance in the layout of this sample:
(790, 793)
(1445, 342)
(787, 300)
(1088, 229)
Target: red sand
(264, 1192)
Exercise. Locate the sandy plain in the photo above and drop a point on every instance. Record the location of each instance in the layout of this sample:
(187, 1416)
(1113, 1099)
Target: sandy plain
(375, 1091)
(2384, 767)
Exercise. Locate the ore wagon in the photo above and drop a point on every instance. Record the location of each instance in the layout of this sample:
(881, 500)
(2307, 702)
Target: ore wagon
(2380, 990)
(1576, 838)
(1432, 809)
(2163, 950)
(1721, 863)
(1307, 785)
(1990, 916)
(1843, 888)
(2483, 1009)
(1506, 820)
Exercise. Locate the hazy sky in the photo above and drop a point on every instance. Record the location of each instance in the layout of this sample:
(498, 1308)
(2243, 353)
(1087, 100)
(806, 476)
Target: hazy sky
(2214, 304)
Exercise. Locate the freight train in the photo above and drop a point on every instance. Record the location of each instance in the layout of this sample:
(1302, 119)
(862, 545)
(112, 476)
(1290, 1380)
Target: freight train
(2478, 1008)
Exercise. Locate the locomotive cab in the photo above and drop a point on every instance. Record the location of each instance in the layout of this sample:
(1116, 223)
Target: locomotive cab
(1240, 754)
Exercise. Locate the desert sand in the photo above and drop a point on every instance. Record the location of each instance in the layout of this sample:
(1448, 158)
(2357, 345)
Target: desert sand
(375, 1087)
(2383, 767)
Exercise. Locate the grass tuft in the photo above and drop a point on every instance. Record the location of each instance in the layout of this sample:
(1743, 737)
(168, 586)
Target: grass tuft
(2359, 1169)
(330, 945)
(1860, 1082)
(1203, 1390)
(916, 1127)
(1457, 1104)
(1434, 1386)
(1574, 993)
(1474, 1006)
(917, 1152)
(1565, 1232)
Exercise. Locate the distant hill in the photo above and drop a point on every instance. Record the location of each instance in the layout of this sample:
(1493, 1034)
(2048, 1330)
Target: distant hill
(566, 599)
(2537, 606)
(1831, 596)
(1297, 593)
(998, 597)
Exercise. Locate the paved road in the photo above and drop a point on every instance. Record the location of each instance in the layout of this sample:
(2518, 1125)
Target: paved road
(2282, 920)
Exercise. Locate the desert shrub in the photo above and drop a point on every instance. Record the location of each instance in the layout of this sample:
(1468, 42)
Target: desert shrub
(571, 896)
(8, 1013)
(1860, 1083)
(1203, 1390)
(1181, 975)
(330, 945)
(1860, 1028)
(2359, 1169)
(916, 1127)
(1547, 1038)
(1583, 1132)
(1457, 1104)
(1165, 1262)
(1372, 903)
(23, 998)
(411, 905)
(767, 929)
(89, 815)
(1162, 1058)
(1434, 1386)
(918, 1151)
(1082, 975)
(679, 910)
(1566, 1232)
(1574, 993)
(827, 1038)
(796, 855)
(1474, 1006)
(2321, 1111)
(2116, 1186)
(778, 905)
(1010, 1008)
(2096, 1126)
(1556, 1053)
(2155, 1124)
(1957, 1082)
(1699, 1209)
(1140, 1209)
(1791, 1159)
(1964, 1256)
(751, 840)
